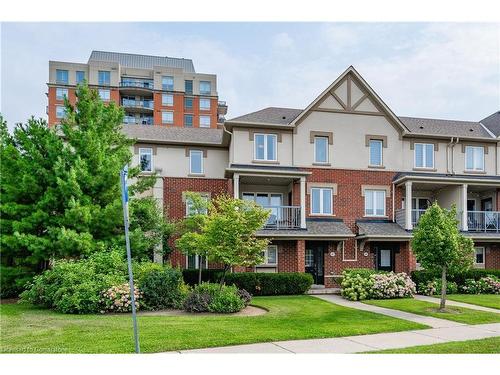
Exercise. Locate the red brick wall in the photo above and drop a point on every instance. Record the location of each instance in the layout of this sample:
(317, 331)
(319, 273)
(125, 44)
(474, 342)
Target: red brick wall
(491, 256)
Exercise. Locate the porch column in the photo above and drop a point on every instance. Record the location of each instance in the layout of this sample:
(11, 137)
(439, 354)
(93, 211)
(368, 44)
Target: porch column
(236, 185)
(465, 226)
(408, 223)
(303, 202)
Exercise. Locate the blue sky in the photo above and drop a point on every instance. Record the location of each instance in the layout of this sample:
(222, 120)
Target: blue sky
(442, 70)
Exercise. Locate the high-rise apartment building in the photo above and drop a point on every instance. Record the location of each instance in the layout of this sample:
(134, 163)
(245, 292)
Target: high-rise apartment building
(153, 90)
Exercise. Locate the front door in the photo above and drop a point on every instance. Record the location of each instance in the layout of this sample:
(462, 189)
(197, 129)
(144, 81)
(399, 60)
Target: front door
(385, 254)
(315, 263)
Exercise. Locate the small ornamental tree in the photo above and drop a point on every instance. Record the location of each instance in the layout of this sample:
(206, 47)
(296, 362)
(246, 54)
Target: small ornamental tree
(440, 247)
(190, 243)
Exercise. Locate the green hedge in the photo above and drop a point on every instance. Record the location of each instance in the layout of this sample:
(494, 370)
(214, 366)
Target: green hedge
(211, 275)
(271, 284)
(423, 276)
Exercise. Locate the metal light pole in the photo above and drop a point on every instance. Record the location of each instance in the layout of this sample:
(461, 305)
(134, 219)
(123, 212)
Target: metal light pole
(123, 178)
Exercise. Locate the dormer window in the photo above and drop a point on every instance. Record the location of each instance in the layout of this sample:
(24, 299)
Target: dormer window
(265, 146)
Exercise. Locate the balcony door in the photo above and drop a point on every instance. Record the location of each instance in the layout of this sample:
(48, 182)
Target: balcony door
(273, 201)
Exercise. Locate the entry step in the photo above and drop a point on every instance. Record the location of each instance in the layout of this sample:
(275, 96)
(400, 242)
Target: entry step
(317, 290)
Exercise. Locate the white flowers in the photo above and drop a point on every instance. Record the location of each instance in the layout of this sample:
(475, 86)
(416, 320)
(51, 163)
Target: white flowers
(117, 299)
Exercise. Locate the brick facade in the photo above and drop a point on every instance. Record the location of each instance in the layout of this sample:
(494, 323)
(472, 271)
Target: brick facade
(491, 255)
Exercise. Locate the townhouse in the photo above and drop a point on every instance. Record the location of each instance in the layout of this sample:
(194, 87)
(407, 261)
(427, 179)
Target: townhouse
(346, 179)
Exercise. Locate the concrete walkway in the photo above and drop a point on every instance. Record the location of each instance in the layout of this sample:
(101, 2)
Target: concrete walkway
(427, 320)
(459, 304)
(364, 343)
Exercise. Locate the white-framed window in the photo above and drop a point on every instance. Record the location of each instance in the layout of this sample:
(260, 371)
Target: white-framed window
(424, 155)
(60, 111)
(205, 104)
(205, 87)
(146, 159)
(479, 257)
(376, 147)
(204, 121)
(167, 100)
(320, 149)
(105, 95)
(309, 258)
(190, 210)
(196, 162)
(270, 256)
(375, 202)
(265, 147)
(321, 201)
(167, 117)
(474, 158)
(61, 93)
(167, 83)
(193, 262)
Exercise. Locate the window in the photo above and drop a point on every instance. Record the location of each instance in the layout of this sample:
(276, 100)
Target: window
(424, 155)
(474, 158)
(188, 121)
(270, 256)
(309, 258)
(265, 146)
(190, 210)
(193, 262)
(79, 76)
(146, 159)
(204, 121)
(188, 103)
(188, 87)
(376, 152)
(321, 201)
(321, 149)
(167, 100)
(205, 104)
(62, 76)
(61, 93)
(104, 94)
(205, 88)
(374, 202)
(196, 162)
(60, 111)
(167, 83)
(479, 257)
(104, 77)
(167, 117)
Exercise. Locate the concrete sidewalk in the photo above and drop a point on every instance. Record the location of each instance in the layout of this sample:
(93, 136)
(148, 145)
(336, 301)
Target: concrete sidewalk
(427, 320)
(364, 343)
(458, 304)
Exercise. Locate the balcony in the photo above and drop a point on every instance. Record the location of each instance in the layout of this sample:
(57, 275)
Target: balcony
(138, 105)
(483, 221)
(283, 217)
(132, 120)
(136, 86)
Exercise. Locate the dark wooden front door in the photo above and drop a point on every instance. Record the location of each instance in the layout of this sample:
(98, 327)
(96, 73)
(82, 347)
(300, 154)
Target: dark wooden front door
(385, 255)
(315, 263)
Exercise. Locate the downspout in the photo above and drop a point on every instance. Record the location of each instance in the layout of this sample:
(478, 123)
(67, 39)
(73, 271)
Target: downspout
(448, 155)
(393, 200)
(452, 155)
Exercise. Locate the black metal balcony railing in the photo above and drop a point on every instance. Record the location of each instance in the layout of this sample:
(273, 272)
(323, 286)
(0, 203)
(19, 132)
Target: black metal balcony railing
(148, 104)
(137, 84)
(283, 217)
(131, 120)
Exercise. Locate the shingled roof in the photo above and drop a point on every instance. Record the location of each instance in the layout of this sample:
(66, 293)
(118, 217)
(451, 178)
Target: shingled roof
(315, 228)
(143, 61)
(374, 230)
(161, 134)
(270, 115)
(492, 122)
(445, 127)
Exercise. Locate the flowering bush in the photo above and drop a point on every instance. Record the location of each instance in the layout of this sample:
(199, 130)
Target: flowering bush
(485, 285)
(211, 297)
(392, 285)
(434, 287)
(117, 299)
(355, 286)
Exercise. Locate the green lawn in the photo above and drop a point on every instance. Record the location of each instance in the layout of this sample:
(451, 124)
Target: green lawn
(27, 329)
(460, 314)
(486, 300)
(489, 345)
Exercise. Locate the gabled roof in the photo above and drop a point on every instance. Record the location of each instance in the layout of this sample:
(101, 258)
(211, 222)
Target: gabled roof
(428, 126)
(175, 135)
(269, 115)
(492, 122)
(143, 61)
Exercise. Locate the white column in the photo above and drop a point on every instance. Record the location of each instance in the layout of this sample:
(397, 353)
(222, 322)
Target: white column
(303, 202)
(408, 223)
(465, 226)
(236, 185)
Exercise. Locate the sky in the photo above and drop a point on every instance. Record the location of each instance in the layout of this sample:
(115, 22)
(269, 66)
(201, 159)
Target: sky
(438, 70)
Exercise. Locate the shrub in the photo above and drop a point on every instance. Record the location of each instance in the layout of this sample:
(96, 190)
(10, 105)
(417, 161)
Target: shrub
(485, 285)
(245, 296)
(163, 288)
(210, 275)
(13, 280)
(226, 300)
(211, 297)
(117, 299)
(392, 285)
(433, 287)
(197, 302)
(143, 269)
(356, 286)
(269, 284)
(424, 276)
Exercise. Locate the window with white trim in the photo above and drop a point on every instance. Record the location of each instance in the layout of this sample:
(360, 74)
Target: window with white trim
(193, 262)
(167, 100)
(191, 210)
(167, 117)
(205, 104)
(474, 158)
(105, 95)
(375, 202)
(61, 93)
(196, 162)
(205, 121)
(60, 111)
(321, 201)
(265, 146)
(479, 257)
(320, 149)
(270, 256)
(424, 155)
(146, 159)
(376, 147)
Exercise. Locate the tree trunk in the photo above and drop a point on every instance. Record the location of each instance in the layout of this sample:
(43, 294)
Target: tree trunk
(226, 268)
(443, 289)
(199, 269)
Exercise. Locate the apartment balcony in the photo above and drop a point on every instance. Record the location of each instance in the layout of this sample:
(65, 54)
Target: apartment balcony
(132, 120)
(138, 105)
(283, 217)
(136, 86)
